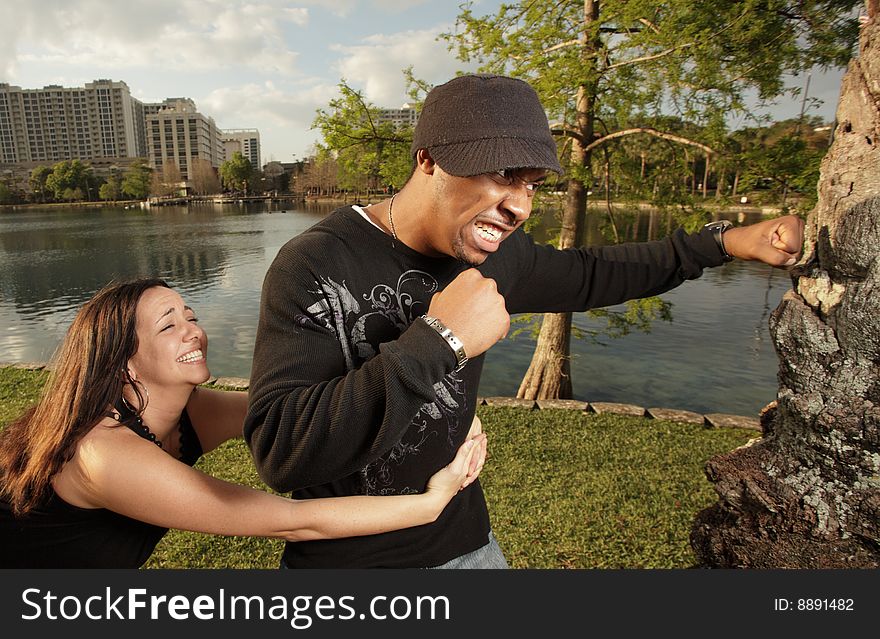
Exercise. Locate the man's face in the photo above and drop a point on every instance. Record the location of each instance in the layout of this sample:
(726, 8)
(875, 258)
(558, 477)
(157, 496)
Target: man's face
(475, 214)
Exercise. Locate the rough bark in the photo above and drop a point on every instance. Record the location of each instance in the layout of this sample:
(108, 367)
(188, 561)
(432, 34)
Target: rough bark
(549, 374)
(807, 495)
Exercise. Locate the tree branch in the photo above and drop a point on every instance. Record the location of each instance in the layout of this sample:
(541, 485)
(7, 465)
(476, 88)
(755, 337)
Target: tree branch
(650, 131)
(366, 109)
(645, 58)
(649, 24)
(561, 128)
(365, 139)
(653, 27)
(559, 45)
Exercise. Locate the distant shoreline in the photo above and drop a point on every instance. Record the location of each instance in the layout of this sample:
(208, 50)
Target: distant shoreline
(370, 199)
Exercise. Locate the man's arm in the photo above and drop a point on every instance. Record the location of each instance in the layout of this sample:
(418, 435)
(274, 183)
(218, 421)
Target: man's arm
(555, 281)
(310, 420)
(580, 279)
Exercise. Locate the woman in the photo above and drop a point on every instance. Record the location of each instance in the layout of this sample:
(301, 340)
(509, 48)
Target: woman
(101, 467)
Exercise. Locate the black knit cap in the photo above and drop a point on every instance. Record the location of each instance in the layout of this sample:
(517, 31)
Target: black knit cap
(483, 123)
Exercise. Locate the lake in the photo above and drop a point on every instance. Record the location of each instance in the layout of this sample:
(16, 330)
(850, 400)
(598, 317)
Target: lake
(714, 356)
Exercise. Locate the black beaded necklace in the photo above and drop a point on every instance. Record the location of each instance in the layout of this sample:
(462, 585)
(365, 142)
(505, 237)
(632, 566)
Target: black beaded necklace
(127, 417)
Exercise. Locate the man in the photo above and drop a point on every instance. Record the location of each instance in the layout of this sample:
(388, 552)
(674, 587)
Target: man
(374, 321)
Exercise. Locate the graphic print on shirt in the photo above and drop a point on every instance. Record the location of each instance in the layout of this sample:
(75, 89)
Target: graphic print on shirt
(387, 311)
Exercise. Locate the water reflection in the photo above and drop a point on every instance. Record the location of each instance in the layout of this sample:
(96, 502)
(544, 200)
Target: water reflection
(714, 356)
(61, 258)
(54, 259)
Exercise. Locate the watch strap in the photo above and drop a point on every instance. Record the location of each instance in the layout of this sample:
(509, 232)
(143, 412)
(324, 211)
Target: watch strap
(718, 228)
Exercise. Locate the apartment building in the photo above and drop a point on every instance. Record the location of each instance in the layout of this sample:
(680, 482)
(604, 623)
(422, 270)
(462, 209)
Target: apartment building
(97, 121)
(244, 141)
(177, 133)
(102, 123)
(406, 116)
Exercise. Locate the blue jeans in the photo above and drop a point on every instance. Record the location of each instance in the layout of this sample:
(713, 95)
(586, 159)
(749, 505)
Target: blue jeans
(488, 556)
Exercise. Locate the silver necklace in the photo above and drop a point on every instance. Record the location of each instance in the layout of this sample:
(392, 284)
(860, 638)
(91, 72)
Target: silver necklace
(391, 219)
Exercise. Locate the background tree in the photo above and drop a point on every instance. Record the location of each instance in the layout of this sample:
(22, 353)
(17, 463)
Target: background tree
(37, 181)
(782, 158)
(236, 173)
(370, 153)
(71, 180)
(293, 177)
(111, 189)
(203, 177)
(319, 173)
(806, 495)
(136, 180)
(624, 63)
(166, 181)
(277, 179)
(7, 195)
(259, 183)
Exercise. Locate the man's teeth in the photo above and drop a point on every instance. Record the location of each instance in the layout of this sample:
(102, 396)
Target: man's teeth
(489, 232)
(191, 357)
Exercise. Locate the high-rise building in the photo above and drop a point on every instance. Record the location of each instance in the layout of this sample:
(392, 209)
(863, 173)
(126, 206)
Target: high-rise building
(103, 124)
(244, 141)
(98, 121)
(406, 115)
(178, 134)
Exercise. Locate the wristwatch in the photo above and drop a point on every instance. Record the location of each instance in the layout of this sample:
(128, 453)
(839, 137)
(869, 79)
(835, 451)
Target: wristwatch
(718, 229)
(454, 343)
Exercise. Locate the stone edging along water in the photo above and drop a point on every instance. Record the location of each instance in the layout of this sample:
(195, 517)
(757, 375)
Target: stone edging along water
(710, 420)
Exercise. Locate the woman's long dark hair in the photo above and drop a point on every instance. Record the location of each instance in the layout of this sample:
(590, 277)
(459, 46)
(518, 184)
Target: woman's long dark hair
(86, 379)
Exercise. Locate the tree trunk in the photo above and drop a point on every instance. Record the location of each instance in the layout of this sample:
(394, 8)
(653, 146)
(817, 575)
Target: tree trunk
(706, 177)
(735, 183)
(807, 494)
(549, 372)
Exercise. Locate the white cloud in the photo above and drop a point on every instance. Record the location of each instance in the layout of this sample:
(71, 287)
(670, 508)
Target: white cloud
(340, 8)
(297, 16)
(283, 116)
(376, 65)
(169, 34)
(233, 106)
(397, 6)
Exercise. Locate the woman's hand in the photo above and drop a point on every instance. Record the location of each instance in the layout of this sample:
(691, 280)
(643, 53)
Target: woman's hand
(479, 458)
(463, 469)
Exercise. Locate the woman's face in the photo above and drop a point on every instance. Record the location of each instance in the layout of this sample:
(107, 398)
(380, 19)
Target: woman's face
(172, 348)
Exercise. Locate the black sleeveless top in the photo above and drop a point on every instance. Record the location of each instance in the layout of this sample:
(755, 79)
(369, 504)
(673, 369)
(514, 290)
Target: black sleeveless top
(59, 535)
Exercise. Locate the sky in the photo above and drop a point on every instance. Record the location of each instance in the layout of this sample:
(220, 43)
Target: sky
(264, 64)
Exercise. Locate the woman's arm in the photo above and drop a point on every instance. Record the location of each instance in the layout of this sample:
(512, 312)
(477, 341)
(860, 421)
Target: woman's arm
(129, 475)
(216, 416)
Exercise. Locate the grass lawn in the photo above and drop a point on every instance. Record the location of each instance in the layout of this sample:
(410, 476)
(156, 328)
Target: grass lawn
(565, 489)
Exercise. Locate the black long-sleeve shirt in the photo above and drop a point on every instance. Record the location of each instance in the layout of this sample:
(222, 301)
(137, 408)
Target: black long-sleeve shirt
(351, 395)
